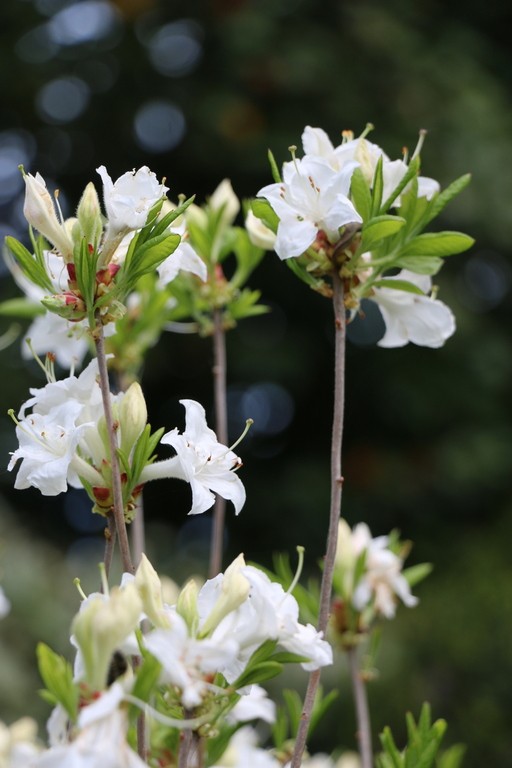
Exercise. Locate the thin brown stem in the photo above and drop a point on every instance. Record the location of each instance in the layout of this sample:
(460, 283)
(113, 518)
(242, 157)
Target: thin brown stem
(364, 734)
(110, 542)
(221, 427)
(117, 492)
(335, 505)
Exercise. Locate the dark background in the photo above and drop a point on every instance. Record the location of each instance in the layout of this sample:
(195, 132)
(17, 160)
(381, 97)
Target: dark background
(199, 92)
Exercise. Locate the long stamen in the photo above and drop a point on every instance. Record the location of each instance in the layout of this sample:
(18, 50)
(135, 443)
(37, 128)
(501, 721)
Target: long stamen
(248, 425)
(78, 585)
(298, 572)
(48, 366)
(419, 145)
(368, 129)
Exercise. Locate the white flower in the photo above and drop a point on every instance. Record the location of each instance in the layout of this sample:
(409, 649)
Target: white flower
(184, 258)
(39, 211)
(129, 199)
(202, 461)
(313, 198)
(382, 580)
(47, 446)
(267, 613)
(224, 201)
(5, 605)
(18, 745)
(253, 705)
(243, 752)
(412, 317)
(188, 662)
(259, 235)
(101, 739)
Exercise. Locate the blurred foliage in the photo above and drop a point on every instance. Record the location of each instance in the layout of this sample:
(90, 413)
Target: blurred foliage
(429, 433)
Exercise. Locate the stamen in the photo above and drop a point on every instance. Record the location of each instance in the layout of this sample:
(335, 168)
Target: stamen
(369, 128)
(300, 565)
(172, 722)
(419, 145)
(104, 579)
(48, 366)
(57, 205)
(347, 136)
(248, 425)
(78, 585)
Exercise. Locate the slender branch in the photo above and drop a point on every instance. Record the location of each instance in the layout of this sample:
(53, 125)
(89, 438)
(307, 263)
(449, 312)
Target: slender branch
(364, 735)
(117, 492)
(335, 506)
(110, 542)
(221, 427)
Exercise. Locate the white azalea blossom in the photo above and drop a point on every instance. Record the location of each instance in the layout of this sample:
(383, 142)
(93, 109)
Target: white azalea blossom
(100, 741)
(411, 317)
(18, 743)
(202, 461)
(382, 581)
(188, 662)
(243, 752)
(253, 705)
(39, 211)
(312, 199)
(129, 199)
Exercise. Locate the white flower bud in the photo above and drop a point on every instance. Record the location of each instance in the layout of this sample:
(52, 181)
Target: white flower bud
(186, 605)
(259, 234)
(133, 416)
(39, 211)
(149, 587)
(224, 198)
(234, 590)
(89, 215)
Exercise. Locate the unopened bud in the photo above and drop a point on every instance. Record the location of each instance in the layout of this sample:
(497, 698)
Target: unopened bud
(234, 590)
(39, 211)
(149, 587)
(186, 605)
(224, 198)
(67, 305)
(259, 234)
(89, 215)
(133, 416)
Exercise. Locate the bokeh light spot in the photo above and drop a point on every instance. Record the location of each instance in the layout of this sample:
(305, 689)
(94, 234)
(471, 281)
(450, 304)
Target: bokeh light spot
(63, 99)
(267, 403)
(90, 20)
(15, 149)
(175, 49)
(159, 126)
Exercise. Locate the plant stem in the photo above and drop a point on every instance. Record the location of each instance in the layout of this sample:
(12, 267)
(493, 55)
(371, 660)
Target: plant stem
(110, 542)
(335, 506)
(364, 735)
(117, 492)
(221, 427)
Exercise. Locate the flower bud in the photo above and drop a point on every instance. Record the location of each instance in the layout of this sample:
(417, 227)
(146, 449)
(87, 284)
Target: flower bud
(259, 235)
(224, 198)
(149, 587)
(66, 305)
(89, 215)
(102, 626)
(39, 211)
(133, 416)
(186, 604)
(234, 590)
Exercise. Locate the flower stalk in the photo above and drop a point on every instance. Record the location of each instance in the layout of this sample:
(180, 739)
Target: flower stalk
(335, 504)
(364, 735)
(221, 426)
(117, 492)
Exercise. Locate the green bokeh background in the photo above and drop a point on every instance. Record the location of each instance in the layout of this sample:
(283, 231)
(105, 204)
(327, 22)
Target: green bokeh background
(428, 445)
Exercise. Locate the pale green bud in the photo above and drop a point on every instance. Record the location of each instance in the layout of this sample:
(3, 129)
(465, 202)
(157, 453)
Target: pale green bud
(89, 215)
(186, 604)
(149, 587)
(259, 235)
(39, 211)
(233, 592)
(224, 198)
(133, 416)
(66, 305)
(102, 626)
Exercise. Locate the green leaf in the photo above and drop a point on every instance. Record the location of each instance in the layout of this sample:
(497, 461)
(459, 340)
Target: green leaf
(377, 187)
(264, 211)
(273, 167)
(443, 198)
(57, 675)
(314, 282)
(437, 244)
(286, 657)
(266, 670)
(398, 285)
(294, 708)
(422, 265)
(390, 749)
(320, 707)
(378, 229)
(22, 308)
(412, 172)
(452, 757)
(361, 194)
(30, 265)
(417, 573)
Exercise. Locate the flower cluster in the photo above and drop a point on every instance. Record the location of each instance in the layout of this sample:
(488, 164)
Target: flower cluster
(353, 211)
(63, 442)
(368, 579)
(202, 653)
